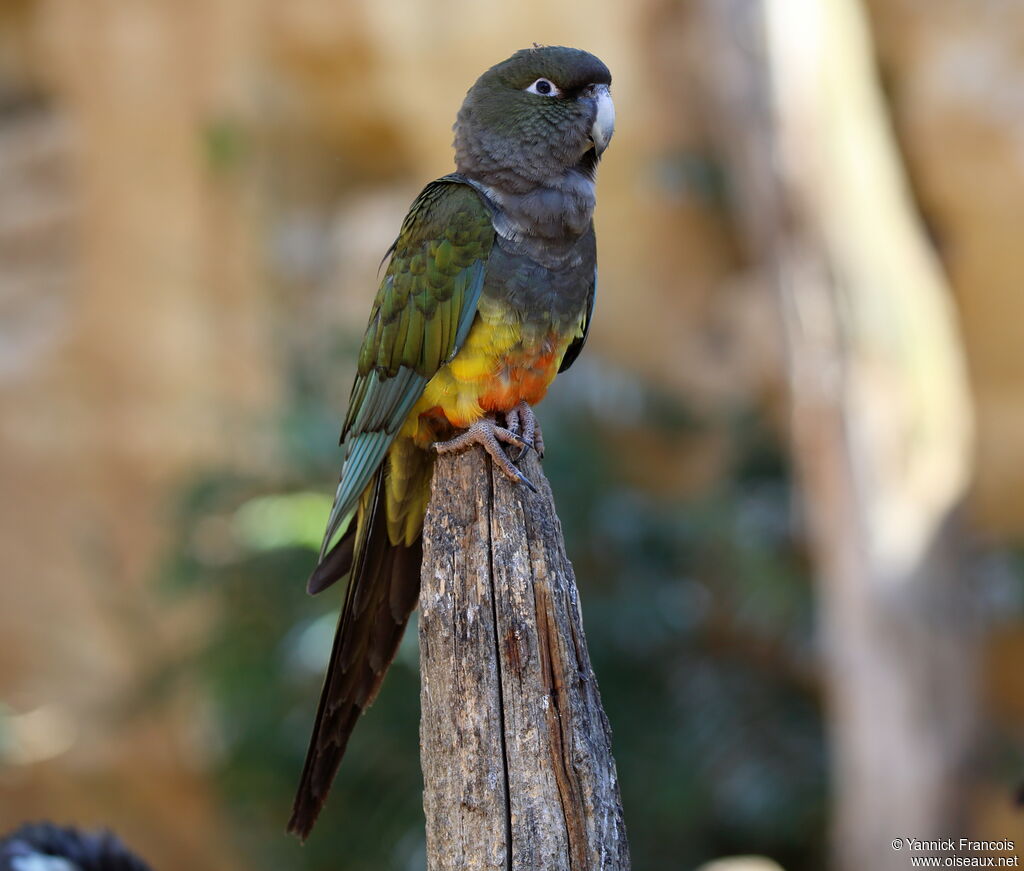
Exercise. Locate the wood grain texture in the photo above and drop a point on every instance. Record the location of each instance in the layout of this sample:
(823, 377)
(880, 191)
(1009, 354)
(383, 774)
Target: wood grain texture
(516, 749)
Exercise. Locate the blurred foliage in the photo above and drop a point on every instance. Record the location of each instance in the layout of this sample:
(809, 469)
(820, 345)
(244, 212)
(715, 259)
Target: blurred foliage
(698, 614)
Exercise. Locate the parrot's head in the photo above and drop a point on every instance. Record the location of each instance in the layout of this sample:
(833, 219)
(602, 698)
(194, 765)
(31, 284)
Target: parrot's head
(530, 119)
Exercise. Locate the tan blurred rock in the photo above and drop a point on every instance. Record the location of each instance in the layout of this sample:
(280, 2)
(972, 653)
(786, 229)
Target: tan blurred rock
(133, 348)
(741, 863)
(955, 73)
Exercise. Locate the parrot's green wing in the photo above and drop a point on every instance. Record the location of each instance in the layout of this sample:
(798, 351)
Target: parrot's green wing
(573, 351)
(420, 318)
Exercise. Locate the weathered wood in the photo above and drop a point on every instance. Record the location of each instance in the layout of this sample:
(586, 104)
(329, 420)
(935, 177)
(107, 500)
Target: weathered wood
(516, 749)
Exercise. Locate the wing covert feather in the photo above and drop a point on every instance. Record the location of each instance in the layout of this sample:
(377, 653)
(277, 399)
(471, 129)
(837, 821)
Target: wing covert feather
(420, 317)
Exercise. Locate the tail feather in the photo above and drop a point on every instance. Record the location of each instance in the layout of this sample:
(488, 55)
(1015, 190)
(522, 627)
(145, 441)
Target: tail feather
(335, 565)
(382, 592)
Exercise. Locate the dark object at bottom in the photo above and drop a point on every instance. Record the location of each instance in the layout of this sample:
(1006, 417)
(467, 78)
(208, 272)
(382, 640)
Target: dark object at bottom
(82, 851)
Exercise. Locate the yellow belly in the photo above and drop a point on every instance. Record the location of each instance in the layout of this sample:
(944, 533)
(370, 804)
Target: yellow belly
(501, 364)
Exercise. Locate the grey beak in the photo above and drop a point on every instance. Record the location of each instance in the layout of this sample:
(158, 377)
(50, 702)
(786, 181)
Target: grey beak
(604, 120)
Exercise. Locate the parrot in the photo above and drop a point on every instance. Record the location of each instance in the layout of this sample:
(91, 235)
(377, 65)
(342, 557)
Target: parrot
(488, 294)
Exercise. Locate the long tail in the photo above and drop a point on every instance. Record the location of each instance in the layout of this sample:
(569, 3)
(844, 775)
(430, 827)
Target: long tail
(382, 592)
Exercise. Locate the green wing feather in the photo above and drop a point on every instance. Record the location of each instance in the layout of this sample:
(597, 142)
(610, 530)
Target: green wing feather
(420, 318)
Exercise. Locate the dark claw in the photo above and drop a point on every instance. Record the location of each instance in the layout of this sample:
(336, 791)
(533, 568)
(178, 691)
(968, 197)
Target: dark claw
(524, 480)
(516, 440)
(527, 446)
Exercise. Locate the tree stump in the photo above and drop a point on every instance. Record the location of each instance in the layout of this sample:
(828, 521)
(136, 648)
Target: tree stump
(515, 746)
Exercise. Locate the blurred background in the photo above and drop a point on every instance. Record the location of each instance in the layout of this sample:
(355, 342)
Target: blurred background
(790, 465)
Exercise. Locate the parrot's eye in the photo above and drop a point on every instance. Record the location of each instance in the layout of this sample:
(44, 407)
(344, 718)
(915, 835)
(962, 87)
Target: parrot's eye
(545, 87)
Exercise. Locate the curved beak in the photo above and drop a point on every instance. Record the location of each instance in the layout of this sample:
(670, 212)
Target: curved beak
(604, 121)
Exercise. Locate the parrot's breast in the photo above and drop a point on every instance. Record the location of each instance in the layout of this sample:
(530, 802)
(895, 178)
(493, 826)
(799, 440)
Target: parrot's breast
(503, 362)
(529, 313)
(532, 306)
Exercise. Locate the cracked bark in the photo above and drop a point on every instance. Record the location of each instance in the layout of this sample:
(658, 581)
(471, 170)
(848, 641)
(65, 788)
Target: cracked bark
(515, 746)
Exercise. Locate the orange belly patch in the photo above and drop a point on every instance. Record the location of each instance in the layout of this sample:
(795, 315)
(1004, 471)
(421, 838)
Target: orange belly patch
(496, 369)
(521, 379)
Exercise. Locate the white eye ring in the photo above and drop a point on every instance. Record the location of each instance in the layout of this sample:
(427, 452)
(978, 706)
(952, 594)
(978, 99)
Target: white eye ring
(545, 88)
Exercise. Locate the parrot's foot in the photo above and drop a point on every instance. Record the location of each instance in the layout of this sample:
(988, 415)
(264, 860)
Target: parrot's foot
(522, 422)
(486, 433)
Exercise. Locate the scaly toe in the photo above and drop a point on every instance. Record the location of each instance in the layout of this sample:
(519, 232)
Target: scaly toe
(522, 420)
(538, 443)
(489, 435)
